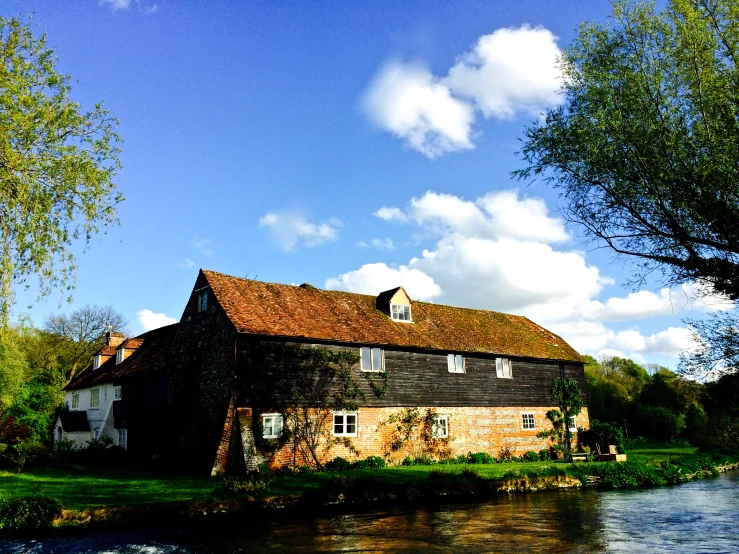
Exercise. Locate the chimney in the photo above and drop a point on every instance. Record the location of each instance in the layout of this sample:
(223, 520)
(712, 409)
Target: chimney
(113, 338)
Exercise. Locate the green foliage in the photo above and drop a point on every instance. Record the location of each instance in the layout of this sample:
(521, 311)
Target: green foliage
(233, 485)
(13, 367)
(531, 456)
(28, 513)
(338, 464)
(479, 458)
(557, 433)
(603, 434)
(566, 393)
(57, 167)
(658, 423)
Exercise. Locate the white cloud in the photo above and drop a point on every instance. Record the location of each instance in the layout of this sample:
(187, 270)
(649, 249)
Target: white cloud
(507, 72)
(410, 103)
(205, 246)
(375, 278)
(116, 5)
(289, 229)
(154, 8)
(504, 252)
(150, 320)
(186, 264)
(380, 244)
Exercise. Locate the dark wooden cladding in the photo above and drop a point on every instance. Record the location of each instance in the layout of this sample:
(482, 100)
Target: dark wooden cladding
(423, 379)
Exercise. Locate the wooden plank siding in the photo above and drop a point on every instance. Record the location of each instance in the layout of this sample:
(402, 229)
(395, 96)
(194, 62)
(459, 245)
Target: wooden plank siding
(421, 378)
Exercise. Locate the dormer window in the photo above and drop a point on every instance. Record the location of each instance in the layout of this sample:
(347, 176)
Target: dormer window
(96, 361)
(202, 299)
(120, 355)
(400, 312)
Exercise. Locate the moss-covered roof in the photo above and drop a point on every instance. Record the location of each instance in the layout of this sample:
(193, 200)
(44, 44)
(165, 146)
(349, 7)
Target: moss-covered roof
(259, 308)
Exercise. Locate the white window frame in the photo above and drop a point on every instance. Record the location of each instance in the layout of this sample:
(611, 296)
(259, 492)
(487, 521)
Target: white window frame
(123, 434)
(524, 421)
(273, 417)
(503, 368)
(344, 423)
(117, 393)
(395, 310)
(440, 429)
(453, 363)
(120, 355)
(92, 396)
(371, 361)
(96, 361)
(572, 424)
(75, 401)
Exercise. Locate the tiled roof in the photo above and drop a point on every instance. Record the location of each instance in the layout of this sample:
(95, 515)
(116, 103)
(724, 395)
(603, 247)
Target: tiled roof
(74, 422)
(106, 351)
(150, 356)
(260, 308)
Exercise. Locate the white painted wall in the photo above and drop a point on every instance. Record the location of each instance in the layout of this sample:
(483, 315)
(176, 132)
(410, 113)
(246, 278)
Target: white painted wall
(100, 419)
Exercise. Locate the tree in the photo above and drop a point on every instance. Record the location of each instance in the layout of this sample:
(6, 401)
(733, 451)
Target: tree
(77, 336)
(57, 166)
(643, 149)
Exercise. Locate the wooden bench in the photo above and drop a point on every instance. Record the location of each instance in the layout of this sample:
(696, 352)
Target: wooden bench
(578, 458)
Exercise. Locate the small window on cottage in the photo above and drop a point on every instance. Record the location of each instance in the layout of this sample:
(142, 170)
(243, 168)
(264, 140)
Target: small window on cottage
(122, 438)
(371, 359)
(95, 397)
(345, 424)
(75, 401)
(573, 424)
(96, 362)
(117, 394)
(120, 355)
(272, 426)
(528, 421)
(455, 363)
(400, 312)
(440, 429)
(503, 368)
(203, 301)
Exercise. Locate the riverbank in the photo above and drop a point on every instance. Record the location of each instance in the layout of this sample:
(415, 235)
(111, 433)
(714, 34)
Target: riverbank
(96, 499)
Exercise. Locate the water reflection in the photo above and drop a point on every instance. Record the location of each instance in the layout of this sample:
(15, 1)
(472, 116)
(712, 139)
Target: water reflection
(697, 517)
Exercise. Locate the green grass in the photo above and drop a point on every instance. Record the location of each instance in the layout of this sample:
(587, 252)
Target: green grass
(84, 487)
(80, 487)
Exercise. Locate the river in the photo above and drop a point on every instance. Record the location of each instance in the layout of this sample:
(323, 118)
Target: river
(702, 516)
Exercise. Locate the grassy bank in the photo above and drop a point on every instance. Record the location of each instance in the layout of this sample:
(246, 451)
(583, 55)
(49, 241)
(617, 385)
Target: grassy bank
(98, 497)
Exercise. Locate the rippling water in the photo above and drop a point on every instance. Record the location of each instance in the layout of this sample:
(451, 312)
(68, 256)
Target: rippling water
(702, 516)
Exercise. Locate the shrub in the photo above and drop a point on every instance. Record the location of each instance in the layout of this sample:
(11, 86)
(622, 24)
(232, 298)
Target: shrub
(470, 473)
(250, 484)
(505, 454)
(544, 454)
(658, 423)
(603, 434)
(530, 456)
(375, 462)
(27, 513)
(338, 464)
(480, 458)
(408, 461)
(423, 460)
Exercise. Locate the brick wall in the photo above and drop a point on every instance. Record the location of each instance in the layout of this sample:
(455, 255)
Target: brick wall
(471, 429)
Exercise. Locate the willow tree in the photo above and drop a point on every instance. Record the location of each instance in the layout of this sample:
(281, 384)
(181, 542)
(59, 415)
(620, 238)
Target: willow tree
(644, 145)
(58, 163)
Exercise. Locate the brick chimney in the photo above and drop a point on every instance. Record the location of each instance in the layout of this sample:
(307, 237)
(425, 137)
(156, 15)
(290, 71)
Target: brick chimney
(113, 338)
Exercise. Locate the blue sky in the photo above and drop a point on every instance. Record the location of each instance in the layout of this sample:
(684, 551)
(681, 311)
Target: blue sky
(345, 144)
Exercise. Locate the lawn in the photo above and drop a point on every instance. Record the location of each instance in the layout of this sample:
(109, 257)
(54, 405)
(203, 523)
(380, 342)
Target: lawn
(80, 487)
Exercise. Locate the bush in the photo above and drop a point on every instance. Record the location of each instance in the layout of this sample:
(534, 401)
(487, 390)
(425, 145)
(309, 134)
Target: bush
(372, 462)
(544, 454)
(338, 464)
(530, 456)
(241, 485)
(408, 461)
(602, 434)
(480, 458)
(658, 423)
(28, 513)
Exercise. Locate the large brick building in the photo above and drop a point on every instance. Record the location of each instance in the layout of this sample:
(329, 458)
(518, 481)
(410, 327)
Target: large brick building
(469, 380)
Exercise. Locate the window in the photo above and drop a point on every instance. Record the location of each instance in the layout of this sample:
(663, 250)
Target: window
(59, 434)
(400, 312)
(271, 426)
(345, 424)
(455, 363)
(528, 421)
(573, 424)
(117, 393)
(203, 301)
(96, 362)
(120, 354)
(440, 427)
(95, 397)
(75, 401)
(372, 359)
(122, 438)
(503, 368)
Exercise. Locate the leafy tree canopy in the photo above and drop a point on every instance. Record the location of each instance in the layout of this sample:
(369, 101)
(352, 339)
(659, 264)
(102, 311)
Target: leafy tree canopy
(57, 166)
